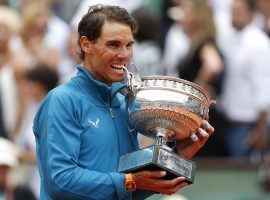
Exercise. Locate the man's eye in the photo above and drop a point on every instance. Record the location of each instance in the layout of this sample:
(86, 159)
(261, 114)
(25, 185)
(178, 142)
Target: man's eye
(129, 46)
(113, 44)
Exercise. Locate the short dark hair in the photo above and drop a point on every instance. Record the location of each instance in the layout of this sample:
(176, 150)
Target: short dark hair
(92, 22)
(148, 26)
(44, 75)
(251, 4)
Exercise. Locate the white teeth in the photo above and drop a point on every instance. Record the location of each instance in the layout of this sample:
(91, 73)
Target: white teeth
(117, 66)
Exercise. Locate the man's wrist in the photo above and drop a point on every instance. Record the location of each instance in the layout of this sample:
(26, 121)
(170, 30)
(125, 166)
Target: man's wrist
(130, 183)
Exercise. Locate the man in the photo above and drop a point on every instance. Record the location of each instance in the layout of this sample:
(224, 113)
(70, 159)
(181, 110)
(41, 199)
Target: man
(245, 98)
(81, 130)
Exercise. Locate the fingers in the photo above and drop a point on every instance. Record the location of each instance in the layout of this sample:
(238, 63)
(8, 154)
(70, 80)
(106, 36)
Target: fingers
(198, 140)
(171, 183)
(194, 137)
(202, 134)
(208, 128)
(173, 187)
(191, 145)
(204, 131)
(151, 180)
(150, 174)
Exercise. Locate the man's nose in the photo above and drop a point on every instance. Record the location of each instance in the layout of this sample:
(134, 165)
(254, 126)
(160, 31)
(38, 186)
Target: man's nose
(124, 53)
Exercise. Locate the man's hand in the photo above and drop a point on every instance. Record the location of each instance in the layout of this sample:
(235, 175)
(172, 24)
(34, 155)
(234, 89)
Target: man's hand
(190, 146)
(152, 181)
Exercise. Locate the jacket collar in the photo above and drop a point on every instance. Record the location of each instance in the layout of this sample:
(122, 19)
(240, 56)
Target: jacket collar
(94, 88)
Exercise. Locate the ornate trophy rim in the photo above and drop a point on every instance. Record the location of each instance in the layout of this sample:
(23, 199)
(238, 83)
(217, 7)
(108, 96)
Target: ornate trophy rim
(179, 80)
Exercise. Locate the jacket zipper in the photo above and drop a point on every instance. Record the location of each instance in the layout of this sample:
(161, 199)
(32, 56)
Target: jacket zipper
(111, 111)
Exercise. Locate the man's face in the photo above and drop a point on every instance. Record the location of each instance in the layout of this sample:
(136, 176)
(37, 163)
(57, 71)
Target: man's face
(241, 14)
(110, 53)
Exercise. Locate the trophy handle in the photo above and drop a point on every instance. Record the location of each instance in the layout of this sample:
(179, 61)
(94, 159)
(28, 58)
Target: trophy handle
(134, 81)
(210, 103)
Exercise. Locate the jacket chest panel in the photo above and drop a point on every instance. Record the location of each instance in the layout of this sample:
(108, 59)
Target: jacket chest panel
(98, 126)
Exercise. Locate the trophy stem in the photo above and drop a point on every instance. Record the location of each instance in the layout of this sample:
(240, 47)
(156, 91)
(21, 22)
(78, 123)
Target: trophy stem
(160, 141)
(162, 135)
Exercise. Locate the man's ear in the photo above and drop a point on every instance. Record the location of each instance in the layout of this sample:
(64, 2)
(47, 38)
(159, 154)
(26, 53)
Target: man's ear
(86, 45)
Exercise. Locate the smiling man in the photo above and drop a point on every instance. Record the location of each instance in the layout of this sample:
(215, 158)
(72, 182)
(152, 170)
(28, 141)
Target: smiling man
(107, 55)
(82, 129)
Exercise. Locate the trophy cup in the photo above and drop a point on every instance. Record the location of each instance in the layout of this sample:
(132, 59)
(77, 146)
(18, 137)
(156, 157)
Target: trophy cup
(161, 107)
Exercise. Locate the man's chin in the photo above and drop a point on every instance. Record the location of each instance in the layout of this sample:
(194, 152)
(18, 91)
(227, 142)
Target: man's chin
(119, 78)
(123, 81)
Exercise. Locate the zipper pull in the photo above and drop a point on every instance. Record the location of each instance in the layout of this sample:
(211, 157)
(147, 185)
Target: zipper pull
(111, 111)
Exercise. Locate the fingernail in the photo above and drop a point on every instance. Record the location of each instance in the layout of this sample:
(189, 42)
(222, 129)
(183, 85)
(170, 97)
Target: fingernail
(206, 124)
(204, 133)
(181, 178)
(194, 137)
(163, 173)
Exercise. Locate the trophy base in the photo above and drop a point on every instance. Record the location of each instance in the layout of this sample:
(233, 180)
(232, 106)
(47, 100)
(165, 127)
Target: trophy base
(157, 157)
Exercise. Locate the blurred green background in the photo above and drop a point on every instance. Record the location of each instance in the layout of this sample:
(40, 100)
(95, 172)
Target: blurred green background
(223, 179)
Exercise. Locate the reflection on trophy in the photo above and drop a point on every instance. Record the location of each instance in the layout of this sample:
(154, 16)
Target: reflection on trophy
(163, 108)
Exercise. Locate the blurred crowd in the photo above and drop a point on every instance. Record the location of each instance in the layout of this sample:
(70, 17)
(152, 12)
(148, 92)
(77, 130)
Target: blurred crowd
(222, 45)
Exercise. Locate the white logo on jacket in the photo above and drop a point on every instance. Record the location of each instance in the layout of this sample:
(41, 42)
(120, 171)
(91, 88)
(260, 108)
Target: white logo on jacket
(95, 124)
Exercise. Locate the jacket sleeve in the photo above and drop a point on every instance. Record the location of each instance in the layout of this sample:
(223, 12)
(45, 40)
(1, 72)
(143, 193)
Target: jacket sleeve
(60, 139)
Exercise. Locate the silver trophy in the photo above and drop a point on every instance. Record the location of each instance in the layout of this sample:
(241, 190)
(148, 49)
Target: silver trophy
(163, 108)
